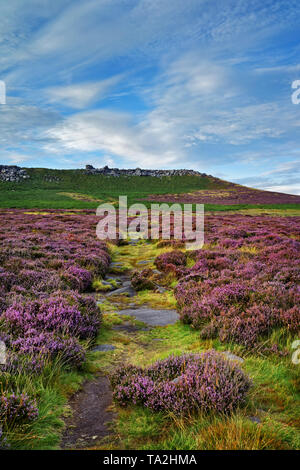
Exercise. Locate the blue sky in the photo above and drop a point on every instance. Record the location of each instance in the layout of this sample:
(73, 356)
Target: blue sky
(202, 84)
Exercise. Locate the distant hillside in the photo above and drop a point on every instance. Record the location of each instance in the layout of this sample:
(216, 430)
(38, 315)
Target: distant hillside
(231, 194)
(86, 188)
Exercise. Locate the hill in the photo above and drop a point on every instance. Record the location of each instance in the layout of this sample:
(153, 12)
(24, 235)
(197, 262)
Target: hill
(85, 188)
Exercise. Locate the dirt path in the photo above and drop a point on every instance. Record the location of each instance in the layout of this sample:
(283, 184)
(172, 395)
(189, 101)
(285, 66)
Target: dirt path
(91, 415)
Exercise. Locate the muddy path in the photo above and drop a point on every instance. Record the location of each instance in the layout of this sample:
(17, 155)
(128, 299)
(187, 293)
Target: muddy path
(92, 414)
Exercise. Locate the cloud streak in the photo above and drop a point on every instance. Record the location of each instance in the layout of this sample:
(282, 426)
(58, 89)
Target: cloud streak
(153, 84)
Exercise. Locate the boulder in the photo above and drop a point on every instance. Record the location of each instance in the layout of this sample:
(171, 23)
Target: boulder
(12, 173)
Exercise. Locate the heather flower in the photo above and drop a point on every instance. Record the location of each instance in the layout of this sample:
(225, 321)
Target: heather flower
(241, 292)
(17, 409)
(169, 260)
(77, 278)
(43, 345)
(53, 314)
(141, 280)
(183, 384)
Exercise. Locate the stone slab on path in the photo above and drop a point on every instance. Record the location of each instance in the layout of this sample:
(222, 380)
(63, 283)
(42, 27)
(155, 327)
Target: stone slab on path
(128, 290)
(151, 316)
(103, 347)
(145, 261)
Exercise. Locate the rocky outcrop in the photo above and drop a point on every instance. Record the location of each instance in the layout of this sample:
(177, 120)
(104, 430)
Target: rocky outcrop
(52, 179)
(106, 171)
(12, 173)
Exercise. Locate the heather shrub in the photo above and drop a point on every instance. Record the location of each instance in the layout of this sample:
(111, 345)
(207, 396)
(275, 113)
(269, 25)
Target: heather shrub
(42, 346)
(17, 408)
(3, 303)
(16, 363)
(7, 279)
(172, 243)
(141, 280)
(55, 314)
(77, 278)
(175, 258)
(183, 384)
(39, 281)
(241, 291)
(97, 263)
(42, 321)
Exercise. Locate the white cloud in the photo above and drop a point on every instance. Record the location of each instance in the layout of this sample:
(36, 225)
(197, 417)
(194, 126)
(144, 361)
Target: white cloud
(13, 158)
(285, 168)
(194, 102)
(22, 124)
(81, 95)
(68, 35)
(279, 69)
(113, 133)
(285, 188)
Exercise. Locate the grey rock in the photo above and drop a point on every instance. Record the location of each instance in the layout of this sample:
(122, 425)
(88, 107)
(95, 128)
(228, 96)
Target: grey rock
(161, 289)
(126, 326)
(254, 419)
(123, 290)
(232, 357)
(106, 283)
(156, 271)
(12, 173)
(152, 316)
(176, 380)
(116, 172)
(115, 278)
(51, 178)
(104, 347)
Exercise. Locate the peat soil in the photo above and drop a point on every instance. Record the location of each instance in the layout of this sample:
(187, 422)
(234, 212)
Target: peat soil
(90, 415)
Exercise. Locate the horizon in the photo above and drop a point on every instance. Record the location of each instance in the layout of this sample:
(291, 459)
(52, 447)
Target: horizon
(200, 85)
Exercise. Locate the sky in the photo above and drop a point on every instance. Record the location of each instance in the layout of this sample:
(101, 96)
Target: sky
(200, 84)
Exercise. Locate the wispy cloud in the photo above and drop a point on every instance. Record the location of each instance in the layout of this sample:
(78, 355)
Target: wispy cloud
(15, 158)
(279, 69)
(82, 95)
(111, 132)
(152, 83)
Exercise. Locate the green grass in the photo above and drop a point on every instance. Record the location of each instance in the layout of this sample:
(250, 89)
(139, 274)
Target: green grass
(78, 190)
(36, 192)
(51, 389)
(273, 399)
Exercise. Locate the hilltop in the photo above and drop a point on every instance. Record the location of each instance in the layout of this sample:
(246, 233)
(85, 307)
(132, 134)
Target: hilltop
(87, 188)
